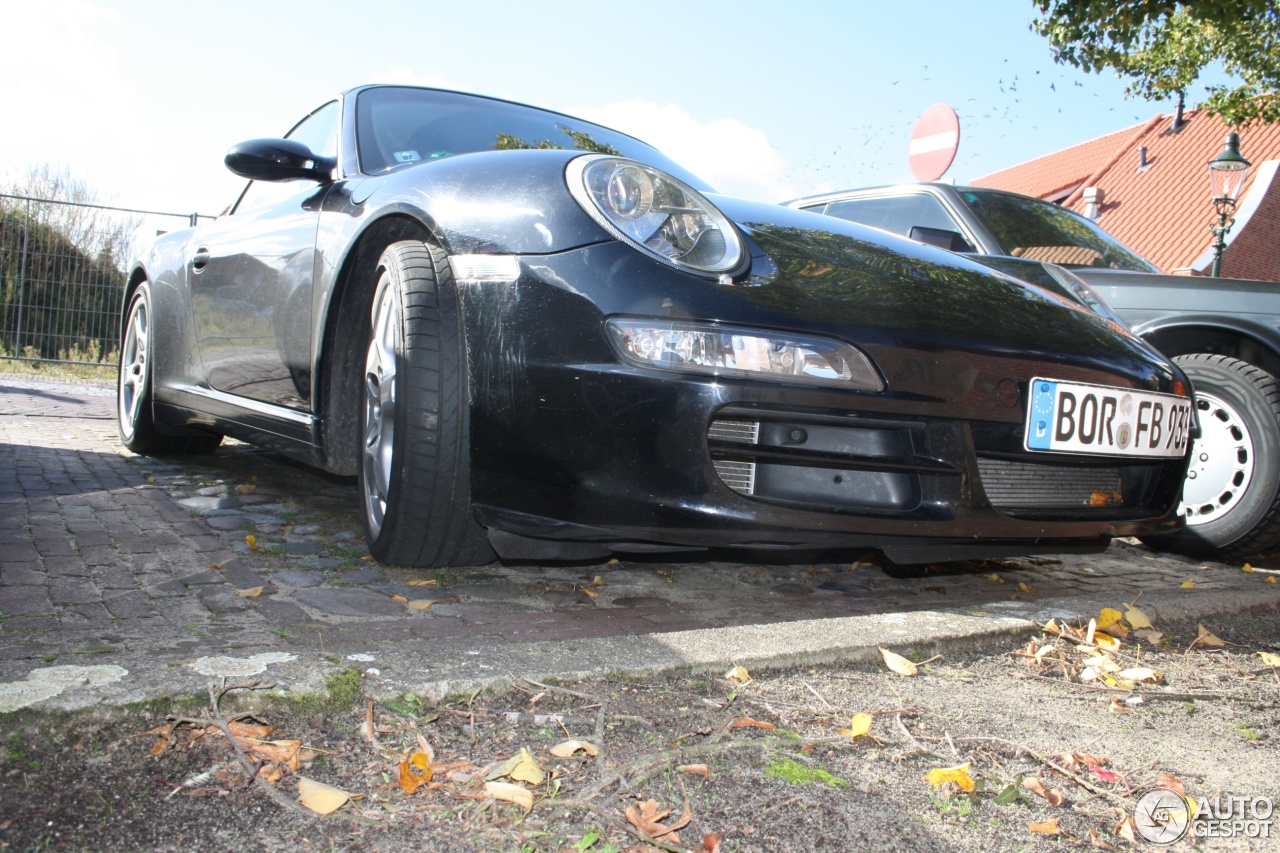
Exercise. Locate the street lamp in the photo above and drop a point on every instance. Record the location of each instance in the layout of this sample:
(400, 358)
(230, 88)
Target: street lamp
(1226, 176)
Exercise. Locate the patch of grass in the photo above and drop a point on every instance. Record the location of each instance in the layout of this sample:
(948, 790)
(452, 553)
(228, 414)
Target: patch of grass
(49, 658)
(1248, 733)
(790, 770)
(107, 372)
(342, 690)
(104, 650)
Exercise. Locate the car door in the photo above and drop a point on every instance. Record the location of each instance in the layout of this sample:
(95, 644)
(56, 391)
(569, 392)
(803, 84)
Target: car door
(251, 281)
(918, 215)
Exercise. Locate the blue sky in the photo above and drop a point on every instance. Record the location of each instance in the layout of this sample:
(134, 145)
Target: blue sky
(763, 99)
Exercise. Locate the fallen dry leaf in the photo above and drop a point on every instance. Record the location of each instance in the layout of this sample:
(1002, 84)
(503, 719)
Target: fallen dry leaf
(424, 582)
(1269, 658)
(1173, 783)
(420, 603)
(319, 797)
(1140, 674)
(1037, 787)
(415, 771)
(1125, 829)
(400, 598)
(748, 723)
(569, 747)
(252, 542)
(1095, 840)
(253, 592)
(1108, 616)
(1025, 588)
(1151, 636)
(246, 490)
(898, 663)
(995, 578)
(711, 843)
(958, 775)
(273, 773)
(1046, 827)
(859, 725)
(648, 820)
(1136, 618)
(697, 769)
(1269, 579)
(738, 675)
(589, 591)
(1187, 585)
(522, 767)
(509, 792)
(1206, 638)
(1246, 568)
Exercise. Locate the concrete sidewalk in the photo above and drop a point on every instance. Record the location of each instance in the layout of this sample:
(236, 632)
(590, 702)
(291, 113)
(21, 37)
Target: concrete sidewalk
(124, 578)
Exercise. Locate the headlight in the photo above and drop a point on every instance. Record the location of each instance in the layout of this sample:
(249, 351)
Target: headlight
(730, 351)
(1086, 294)
(660, 215)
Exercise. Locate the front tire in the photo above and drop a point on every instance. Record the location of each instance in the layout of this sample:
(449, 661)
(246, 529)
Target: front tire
(415, 455)
(134, 417)
(1231, 498)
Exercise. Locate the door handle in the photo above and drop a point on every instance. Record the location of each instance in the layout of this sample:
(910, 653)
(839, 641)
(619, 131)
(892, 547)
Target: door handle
(200, 259)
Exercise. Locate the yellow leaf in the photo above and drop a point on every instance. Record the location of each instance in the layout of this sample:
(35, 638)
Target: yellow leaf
(1206, 638)
(1025, 587)
(738, 675)
(1106, 641)
(319, 797)
(859, 725)
(522, 767)
(1046, 827)
(1108, 617)
(700, 769)
(1246, 568)
(598, 581)
(569, 747)
(1151, 636)
(510, 793)
(427, 582)
(1269, 659)
(1136, 618)
(898, 663)
(589, 591)
(420, 603)
(993, 577)
(415, 771)
(400, 598)
(1269, 579)
(1188, 585)
(250, 593)
(958, 775)
(252, 542)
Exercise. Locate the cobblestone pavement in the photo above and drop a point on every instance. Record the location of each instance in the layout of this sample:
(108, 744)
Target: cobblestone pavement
(241, 562)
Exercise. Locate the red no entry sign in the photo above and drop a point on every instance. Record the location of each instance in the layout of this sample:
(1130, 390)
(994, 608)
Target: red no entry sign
(934, 142)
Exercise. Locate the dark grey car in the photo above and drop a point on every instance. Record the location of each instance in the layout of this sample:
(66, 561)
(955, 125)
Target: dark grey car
(1225, 333)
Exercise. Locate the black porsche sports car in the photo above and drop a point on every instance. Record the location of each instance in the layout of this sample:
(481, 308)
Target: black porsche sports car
(531, 335)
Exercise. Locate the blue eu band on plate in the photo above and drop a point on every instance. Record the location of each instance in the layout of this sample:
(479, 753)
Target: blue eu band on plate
(1074, 418)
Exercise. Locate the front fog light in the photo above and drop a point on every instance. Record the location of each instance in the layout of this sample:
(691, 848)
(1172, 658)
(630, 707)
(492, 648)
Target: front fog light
(755, 353)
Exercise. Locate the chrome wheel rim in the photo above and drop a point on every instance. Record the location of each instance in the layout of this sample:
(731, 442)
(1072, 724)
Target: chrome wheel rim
(133, 367)
(380, 405)
(1221, 463)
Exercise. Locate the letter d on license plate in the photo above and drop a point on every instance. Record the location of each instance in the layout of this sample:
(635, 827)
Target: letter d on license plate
(1067, 417)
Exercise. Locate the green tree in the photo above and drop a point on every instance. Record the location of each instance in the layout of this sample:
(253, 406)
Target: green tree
(1163, 47)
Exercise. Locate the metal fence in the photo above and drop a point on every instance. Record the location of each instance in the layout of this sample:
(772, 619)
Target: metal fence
(62, 272)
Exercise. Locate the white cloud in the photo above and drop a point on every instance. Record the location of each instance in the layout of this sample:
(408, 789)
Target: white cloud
(733, 157)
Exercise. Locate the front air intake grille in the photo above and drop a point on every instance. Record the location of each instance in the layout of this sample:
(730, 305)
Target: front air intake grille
(739, 476)
(1025, 486)
(739, 432)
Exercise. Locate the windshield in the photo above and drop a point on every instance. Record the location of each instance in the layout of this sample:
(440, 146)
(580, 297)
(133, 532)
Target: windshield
(398, 127)
(1030, 228)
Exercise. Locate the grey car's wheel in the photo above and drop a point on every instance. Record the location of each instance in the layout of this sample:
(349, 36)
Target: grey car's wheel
(133, 388)
(1231, 498)
(415, 454)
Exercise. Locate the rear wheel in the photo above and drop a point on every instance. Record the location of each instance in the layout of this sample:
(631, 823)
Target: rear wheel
(1231, 498)
(415, 472)
(133, 389)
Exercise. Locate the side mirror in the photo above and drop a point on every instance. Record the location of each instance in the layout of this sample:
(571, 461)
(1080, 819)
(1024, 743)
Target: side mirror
(278, 160)
(952, 241)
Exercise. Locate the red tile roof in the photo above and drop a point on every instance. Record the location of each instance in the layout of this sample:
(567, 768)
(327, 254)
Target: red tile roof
(1163, 211)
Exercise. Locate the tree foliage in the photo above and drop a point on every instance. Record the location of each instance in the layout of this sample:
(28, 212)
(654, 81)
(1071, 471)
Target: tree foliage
(1163, 48)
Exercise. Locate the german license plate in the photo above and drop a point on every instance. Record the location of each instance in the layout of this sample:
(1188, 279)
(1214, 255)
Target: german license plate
(1068, 417)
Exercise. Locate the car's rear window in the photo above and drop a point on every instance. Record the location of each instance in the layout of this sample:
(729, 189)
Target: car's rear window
(398, 127)
(1030, 228)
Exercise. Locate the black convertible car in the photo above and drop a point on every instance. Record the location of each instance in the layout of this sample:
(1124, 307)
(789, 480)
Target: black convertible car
(535, 336)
